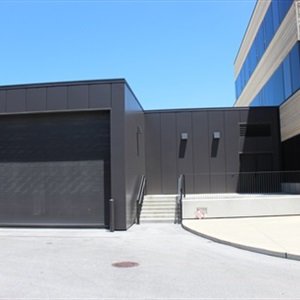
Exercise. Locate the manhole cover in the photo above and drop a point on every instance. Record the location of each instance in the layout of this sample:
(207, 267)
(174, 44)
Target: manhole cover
(125, 264)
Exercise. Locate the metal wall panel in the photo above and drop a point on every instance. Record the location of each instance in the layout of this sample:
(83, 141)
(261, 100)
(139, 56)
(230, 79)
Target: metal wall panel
(55, 169)
(118, 187)
(100, 95)
(291, 157)
(244, 118)
(57, 98)
(36, 99)
(201, 151)
(15, 100)
(217, 153)
(185, 147)
(134, 152)
(210, 165)
(153, 153)
(78, 97)
(232, 149)
(2, 101)
(232, 140)
(258, 144)
(168, 153)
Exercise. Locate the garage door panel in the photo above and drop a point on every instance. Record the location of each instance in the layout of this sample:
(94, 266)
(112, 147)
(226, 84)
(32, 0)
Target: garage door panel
(55, 138)
(62, 179)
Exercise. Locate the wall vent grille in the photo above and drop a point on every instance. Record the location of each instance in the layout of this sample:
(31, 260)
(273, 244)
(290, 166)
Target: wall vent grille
(255, 130)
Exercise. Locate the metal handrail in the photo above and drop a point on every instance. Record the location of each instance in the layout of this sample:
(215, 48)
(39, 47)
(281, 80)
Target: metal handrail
(256, 182)
(180, 195)
(140, 199)
(181, 186)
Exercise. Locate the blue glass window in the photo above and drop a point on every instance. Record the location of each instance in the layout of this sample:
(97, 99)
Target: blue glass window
(278, 86)
(268, 26)
(284, 6)
(256, 101)
(275, 13)
(252, 59)
(295, 68)
(271, 22)
(260, 43)
(268, 93)
(237, 87)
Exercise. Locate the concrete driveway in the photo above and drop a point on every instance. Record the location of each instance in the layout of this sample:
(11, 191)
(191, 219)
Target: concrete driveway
(171, 263)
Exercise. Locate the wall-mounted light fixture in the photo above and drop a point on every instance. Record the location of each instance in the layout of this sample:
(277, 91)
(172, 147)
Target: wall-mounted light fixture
(184, 136)
(138, 130)
(216, 135)
(138, 133)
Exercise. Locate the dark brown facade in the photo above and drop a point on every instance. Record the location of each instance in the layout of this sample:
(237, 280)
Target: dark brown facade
(56, 105)
(205, 142)
(67, 148)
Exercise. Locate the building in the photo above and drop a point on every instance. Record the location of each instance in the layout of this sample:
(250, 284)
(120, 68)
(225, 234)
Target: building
(267, 70)
(67, 148)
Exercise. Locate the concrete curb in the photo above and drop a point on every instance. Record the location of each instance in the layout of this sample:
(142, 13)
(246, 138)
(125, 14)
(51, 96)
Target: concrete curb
(243, 247)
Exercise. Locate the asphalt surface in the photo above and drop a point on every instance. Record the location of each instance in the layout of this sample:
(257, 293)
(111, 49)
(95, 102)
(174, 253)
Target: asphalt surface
(171, 263)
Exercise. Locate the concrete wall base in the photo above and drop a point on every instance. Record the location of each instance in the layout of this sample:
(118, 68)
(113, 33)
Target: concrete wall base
(235, 205)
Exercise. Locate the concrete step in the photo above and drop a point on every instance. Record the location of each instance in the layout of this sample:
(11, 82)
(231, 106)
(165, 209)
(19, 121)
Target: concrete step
(159, 214)
(158, 209)
(158, 220)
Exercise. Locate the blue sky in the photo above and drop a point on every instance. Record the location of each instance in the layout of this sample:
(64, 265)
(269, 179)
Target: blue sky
(174, 54)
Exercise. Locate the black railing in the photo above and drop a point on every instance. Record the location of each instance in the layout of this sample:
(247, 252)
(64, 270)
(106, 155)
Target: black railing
(271, 182)
(140, 199)
(179, 197)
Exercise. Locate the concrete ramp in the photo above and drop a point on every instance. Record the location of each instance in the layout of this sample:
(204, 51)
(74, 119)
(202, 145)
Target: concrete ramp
(240, 205)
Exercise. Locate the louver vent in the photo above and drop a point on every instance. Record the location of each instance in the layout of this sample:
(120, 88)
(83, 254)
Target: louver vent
(255, 130)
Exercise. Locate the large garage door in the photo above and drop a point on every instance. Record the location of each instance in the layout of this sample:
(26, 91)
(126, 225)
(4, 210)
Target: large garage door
(55, 169)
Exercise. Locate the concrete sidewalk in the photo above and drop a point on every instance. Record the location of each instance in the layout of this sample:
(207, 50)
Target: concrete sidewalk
(277, 236)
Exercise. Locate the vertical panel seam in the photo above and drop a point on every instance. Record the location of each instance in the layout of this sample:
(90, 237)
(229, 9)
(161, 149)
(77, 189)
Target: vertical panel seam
(160, 151)
(88, 95)
(209, 152)
(47, 106)
(68, 97)
(192, 148)
(5, 103)
(176, 145)
(225, 150)
(25, 104)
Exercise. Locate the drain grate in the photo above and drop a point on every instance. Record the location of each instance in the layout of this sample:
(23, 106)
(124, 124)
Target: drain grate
(125, 264)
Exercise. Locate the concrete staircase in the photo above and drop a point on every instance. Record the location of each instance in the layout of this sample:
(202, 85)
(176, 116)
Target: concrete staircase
(158, 209)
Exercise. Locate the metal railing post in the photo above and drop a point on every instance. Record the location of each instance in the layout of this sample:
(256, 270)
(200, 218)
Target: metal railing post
(138, 213)
(184, 191)
(140, 199)
(112, 215)
(180, 194)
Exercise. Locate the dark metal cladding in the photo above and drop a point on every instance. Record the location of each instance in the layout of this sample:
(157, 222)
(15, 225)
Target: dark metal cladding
(208, 159)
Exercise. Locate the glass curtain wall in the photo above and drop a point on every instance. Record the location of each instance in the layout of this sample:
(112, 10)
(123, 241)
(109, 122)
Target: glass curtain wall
(268, 28)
